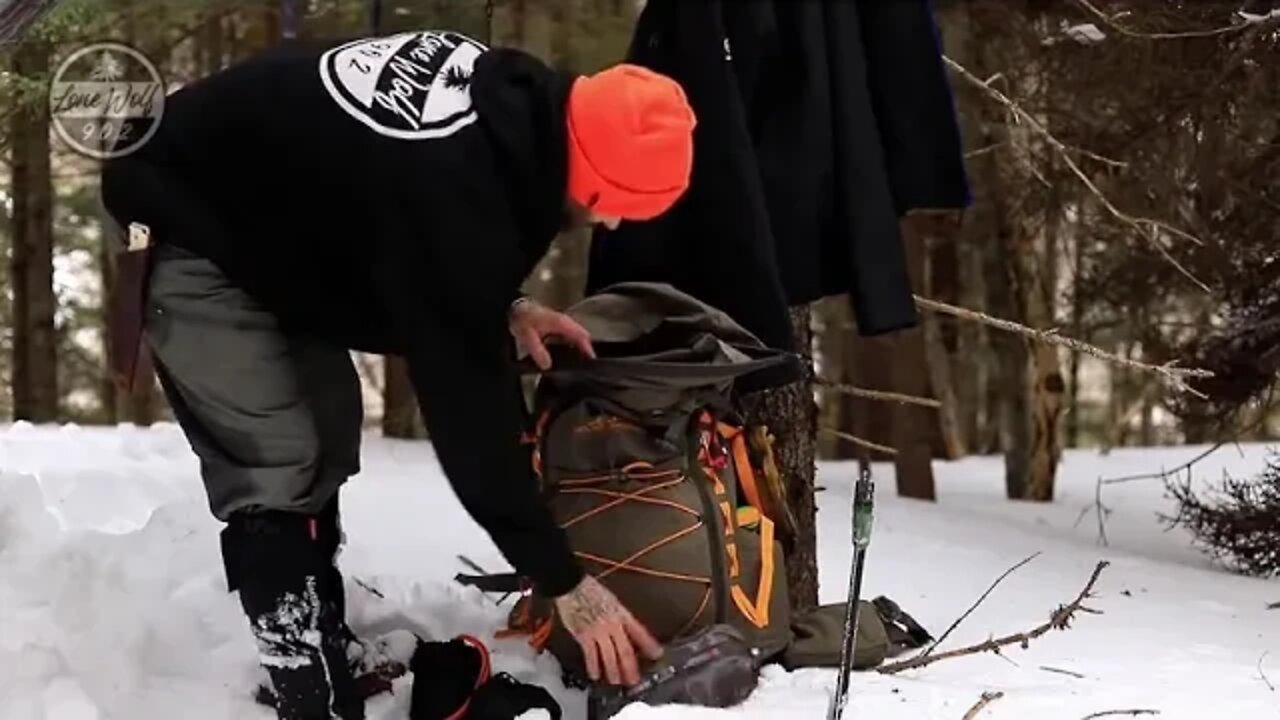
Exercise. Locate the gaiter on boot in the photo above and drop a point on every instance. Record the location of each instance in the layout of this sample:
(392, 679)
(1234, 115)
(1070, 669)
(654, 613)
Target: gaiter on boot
(286, 580)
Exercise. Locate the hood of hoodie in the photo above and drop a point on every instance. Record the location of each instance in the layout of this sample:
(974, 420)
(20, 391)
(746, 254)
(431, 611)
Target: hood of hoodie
(521, 105)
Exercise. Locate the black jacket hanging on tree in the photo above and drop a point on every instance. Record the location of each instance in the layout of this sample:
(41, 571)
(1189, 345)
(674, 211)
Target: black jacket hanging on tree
(821, 123)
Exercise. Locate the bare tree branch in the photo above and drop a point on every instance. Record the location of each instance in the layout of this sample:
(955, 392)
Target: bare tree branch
(1060, 671)
(369, 588)
(1170, 372)
(1148, 227)
(1059, 620)
(1263, 674)
(1111, 23)
(1103, 510)
(881, 395)
(860, 442)
(1111, 713)
(929, 650)
(986, 699)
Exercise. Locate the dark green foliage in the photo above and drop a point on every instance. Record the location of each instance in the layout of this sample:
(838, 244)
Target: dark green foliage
(1238, 523)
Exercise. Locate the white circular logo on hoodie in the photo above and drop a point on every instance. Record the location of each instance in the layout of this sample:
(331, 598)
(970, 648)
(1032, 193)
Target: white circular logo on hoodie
(411, 86)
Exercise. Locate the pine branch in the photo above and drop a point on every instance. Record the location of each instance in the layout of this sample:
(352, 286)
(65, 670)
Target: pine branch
(1171, 373)
(1143, 226)
(881, 395)
(986, 699)
(860, 442)
(1060, 619)
(929, 650)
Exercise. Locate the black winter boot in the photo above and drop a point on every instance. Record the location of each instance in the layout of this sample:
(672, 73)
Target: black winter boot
(283, 568)
(373, 670)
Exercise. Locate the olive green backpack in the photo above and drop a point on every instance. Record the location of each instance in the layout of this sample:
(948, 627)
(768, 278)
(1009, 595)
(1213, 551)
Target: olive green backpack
(666, 495)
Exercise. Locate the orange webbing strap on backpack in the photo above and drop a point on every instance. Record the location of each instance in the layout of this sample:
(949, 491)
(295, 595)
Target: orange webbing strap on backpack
(535, 439)
(742, 463)
(758, 613)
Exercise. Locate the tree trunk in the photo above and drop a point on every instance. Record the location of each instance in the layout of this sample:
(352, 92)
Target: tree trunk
(519, 16)
(831, 323)
(1148, 427)
(1047, 406)
(564, 17)
(972, 363)
(1077, 330)
(400, 416)
(870, 360)
(914, 427)
(791, 414)
(144, 402)
(1013, 364)
(290, 19)
(941, 379)
(35, 360)
(107, 389)
(210, 42)
(1039, 283)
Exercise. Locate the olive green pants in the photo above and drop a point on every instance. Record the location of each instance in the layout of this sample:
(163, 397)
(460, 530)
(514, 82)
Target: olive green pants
(275, 420)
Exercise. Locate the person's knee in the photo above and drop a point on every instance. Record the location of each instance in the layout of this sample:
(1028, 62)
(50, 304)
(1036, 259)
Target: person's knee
(273, 471)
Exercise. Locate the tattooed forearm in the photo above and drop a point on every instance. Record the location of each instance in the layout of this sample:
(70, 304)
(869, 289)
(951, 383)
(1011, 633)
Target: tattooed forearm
(589, 603)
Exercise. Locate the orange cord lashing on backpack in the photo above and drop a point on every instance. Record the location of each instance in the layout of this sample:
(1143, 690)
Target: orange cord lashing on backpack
(535, 439)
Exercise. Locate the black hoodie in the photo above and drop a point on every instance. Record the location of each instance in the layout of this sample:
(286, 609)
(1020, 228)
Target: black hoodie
(387, 195)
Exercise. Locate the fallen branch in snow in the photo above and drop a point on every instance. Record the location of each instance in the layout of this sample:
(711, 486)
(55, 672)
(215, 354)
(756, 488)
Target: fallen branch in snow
(1274, 606)
(1263, 674)
(1144, 226)
(1112, 713)
(854, 391)
(1071, 673)
(1060, 619)
(860, 442)
(929, 650)
(1111, 23)
(1102, 511)
(1172, 374)
(369, 588)
(986, 699)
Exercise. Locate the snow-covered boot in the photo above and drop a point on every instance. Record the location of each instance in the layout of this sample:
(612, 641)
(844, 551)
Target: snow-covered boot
(292, 595)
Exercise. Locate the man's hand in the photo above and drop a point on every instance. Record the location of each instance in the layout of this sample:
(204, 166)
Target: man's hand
(532, 324)
(608, 633)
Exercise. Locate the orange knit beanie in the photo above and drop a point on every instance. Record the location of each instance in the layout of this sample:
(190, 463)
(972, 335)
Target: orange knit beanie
(630, 142)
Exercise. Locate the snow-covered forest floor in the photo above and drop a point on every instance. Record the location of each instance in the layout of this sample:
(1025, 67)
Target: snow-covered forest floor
(112, 604)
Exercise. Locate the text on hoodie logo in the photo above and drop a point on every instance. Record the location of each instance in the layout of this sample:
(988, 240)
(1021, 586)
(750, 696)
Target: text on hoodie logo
(411, 86)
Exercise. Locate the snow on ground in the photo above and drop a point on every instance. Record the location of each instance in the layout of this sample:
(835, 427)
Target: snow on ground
(112, 602)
